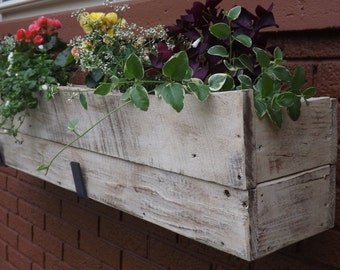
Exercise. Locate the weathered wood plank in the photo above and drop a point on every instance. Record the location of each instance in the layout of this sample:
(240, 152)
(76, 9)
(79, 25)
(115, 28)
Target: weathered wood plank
(201, 210)
(291, 209)
(307, 143)
(205, 140)
(221, 140)
(248, 224)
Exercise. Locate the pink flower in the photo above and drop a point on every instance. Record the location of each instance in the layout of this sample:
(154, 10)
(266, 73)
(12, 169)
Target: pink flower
(56, 23)
(20, 35)
(34, 28)
(42, 22)
(38, 39)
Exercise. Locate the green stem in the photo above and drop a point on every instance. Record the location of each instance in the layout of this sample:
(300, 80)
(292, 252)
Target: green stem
(84, 133)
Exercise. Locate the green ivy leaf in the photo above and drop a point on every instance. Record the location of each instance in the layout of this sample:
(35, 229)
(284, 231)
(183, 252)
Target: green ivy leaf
(64, 58)
(244, 40)
(278, 56)
(103, 89)
(218, 50)
(234, 13)
(114, 81)
(262, 57)
(287, 99)
(220, 30)
(72, 125)
(267, 86)
(43, 167)
(173, 94)
(260, 107)
(139, 97)
(275, 116)
(309, 92)
(133, 68)
(246, 62)
(246, 82)
(200, 90)
(216, 81)
(282, 73)
(298, 79)
(83, 100)
(177, 67)
(294, 110)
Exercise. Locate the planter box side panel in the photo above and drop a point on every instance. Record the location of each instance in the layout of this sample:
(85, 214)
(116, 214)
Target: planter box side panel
(308, 143)
(205, 140)
(292, 209)
(203, 211)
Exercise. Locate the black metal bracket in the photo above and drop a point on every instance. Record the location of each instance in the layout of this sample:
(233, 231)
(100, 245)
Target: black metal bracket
(78, 180)
(2, 162)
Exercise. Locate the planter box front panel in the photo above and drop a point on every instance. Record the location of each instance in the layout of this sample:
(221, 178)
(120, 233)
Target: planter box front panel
(214, 172)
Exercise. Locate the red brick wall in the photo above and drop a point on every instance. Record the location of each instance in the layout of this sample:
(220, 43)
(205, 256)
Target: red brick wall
(45, 227)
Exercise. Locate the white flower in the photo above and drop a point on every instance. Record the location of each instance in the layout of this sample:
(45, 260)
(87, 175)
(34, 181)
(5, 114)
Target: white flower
(41, 47)
(196, 42)
(10, 58)
(44, 87)
(7, 103)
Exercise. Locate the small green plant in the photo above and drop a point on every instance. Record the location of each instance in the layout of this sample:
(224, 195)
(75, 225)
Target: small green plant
(33, 60)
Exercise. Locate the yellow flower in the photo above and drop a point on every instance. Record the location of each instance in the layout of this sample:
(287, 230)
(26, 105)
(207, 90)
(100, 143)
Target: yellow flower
(111, 18)
(111, 32)
(87, 28)
(96, 16)
(83, 18)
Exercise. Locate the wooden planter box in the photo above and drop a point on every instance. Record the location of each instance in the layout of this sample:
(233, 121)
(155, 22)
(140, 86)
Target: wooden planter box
(214, 172)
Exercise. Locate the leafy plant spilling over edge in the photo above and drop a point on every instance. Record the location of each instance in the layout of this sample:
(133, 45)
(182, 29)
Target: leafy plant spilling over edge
(207, 50)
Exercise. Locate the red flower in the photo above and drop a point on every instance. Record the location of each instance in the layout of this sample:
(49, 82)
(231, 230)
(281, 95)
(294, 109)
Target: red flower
(42, 22)
(56, 23)
(38, 40)
(20, 35)
(34, 28)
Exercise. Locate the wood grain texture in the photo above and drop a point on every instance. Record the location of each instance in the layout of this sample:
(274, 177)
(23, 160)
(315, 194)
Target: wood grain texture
(213, 173)
(220, 140)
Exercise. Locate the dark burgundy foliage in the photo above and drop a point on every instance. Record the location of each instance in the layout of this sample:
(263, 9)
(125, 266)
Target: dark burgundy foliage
(195, 24)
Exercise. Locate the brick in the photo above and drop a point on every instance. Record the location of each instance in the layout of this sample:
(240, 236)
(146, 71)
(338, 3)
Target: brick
(328, 79)
(79, 259)
(3, 215)
(35, 195)
(62, 230)
(8, 235)
(37, 267)
(171, 257)
(32, 180)
(18, 260)
(151, 229)
(278, 261)
(100, 249)
(31, 213)
(61, 192)
(3, 181)
(100, 209)
(133, 262)
(123, 236)
(20, 225)
(78, 217)
(48, 242)
(3, 250)
(306, 45)
(8, 171)
(54, 263)
(337, 207)
(208, 253)
(5, 265)
(323, 248)
(9, 201)
(30, 250)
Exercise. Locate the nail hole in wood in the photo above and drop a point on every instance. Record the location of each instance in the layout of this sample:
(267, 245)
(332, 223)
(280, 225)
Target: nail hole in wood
(227, 193)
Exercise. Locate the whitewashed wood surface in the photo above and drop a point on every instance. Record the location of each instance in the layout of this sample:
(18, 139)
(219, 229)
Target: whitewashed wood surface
(246, 223)
(220, 140)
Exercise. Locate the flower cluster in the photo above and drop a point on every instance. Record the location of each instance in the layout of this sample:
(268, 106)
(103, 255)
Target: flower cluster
(109, 40)
(32, 60)
(38, 30)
